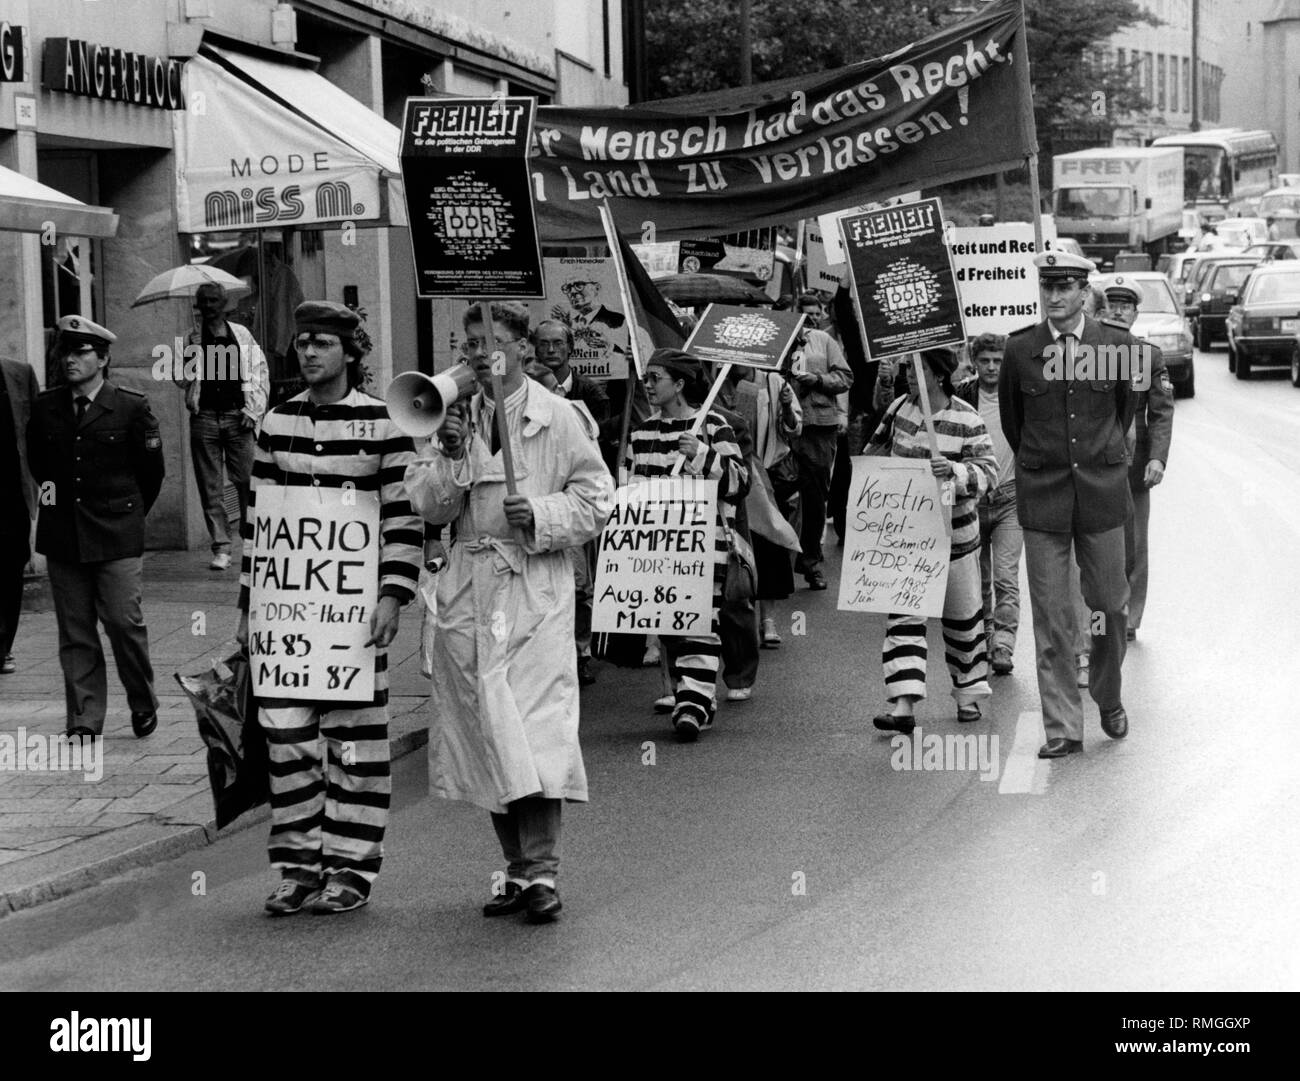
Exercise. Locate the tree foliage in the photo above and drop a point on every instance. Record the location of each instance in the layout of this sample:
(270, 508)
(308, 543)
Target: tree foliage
(693, 46)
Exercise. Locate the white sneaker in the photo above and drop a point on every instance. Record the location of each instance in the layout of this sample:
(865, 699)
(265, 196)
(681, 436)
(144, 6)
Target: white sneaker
(220, 561)
(739, 694)
(666, 703)
(651, 657)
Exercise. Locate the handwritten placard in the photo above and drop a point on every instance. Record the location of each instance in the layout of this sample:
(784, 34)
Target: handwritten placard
(896, 548)
(314, 583)
(655, 569)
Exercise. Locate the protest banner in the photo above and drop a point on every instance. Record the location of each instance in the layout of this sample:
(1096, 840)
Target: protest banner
(950, 106)
(996, 278)
(829, 224)
(314, 583)
(897, 541)
(654, 569)
(583, 294)
(901, 279)
(469, 197)
(753, 337)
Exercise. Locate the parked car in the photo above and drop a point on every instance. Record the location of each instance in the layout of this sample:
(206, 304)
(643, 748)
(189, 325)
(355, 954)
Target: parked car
(1275, 250)
(1283, 206)
(1161, 321)
(1219, 290)
(1262, 326)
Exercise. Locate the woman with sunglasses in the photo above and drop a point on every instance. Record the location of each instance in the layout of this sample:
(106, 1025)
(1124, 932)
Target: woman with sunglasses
(671, 381)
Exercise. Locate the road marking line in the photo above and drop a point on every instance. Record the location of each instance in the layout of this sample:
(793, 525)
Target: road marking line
(1021, 772)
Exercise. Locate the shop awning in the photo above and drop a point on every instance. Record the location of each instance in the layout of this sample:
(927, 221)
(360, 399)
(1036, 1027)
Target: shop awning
(264, 144)
(28, 206)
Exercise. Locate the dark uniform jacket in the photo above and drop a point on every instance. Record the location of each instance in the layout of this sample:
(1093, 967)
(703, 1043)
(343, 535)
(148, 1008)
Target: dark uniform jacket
(1153, 422)
(21, 390)
(1068, 435)
(105, 474)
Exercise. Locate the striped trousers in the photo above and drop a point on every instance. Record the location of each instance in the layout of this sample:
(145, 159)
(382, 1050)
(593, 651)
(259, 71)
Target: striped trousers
(694, 663)
(328, 818)
(965, 648)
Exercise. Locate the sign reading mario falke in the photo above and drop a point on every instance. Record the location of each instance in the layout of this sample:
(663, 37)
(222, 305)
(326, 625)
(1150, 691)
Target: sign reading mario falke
(469, 197)
(754, 337)
(902, 279)
(314, 583)
(91, 70)
(896, 548)
(654, 574)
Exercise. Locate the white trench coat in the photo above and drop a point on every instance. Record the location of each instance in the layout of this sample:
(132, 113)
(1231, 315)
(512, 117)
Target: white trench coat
(505, 685)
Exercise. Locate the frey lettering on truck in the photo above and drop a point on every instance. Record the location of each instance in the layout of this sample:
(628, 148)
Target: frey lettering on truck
(1097, 166)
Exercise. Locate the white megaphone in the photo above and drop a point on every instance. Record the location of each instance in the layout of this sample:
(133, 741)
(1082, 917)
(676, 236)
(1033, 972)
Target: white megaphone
(418, 403)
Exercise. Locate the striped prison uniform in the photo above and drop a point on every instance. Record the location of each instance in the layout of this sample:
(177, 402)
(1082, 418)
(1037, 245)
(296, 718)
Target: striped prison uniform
(652, 452)
(964, 440)
(328, 820)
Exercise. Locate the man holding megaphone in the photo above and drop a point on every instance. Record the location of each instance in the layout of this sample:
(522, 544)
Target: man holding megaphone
(505, 685)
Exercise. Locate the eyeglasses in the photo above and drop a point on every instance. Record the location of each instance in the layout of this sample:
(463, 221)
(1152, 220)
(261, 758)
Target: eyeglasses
(650, 377)
(315, 341)
(473, 345)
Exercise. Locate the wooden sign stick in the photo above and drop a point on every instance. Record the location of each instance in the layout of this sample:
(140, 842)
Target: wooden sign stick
(703, 414)
(499, 397)
(924, 394)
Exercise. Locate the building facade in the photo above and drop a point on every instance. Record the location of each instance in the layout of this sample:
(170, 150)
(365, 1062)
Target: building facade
(119, 104)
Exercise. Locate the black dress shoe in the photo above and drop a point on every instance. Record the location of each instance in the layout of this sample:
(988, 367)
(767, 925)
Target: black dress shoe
(512, 900)
(543, 903)
(143, 723)
(81, 731)
(1059, 748)
(586, 677)
(888, 722)
(1114, 722)
(816, 580)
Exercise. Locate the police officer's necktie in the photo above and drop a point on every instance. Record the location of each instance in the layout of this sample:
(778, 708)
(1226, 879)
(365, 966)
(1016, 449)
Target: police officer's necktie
(82, 403)
(1067, 342)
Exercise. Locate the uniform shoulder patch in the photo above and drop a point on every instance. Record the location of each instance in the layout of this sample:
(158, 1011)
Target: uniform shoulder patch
(152, 439)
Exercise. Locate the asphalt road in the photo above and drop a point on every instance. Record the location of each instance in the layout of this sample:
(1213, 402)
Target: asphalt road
(784, 851)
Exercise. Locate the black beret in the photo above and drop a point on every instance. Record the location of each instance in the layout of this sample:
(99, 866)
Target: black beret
(677, 362)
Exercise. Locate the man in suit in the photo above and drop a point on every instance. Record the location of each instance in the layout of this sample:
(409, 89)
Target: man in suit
(99, 448)
(1149, 440)
(18, 392)
(1066, 416)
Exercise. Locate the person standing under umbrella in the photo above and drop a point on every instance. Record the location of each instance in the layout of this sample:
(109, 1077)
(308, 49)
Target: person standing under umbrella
(226, 393)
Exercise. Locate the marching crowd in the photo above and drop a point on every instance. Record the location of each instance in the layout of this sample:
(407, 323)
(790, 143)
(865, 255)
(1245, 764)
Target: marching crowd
(1059, 470)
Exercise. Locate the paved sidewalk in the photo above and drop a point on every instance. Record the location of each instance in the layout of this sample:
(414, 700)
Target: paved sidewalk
(63, 831)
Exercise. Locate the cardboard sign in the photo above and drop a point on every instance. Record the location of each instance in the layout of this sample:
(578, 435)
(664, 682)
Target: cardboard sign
(754, 337)
(315, 581)
(897, 541)
(902, 279)
(469, 197)
(654, 570)
(819, 271)
(583, 294)
(996, 277)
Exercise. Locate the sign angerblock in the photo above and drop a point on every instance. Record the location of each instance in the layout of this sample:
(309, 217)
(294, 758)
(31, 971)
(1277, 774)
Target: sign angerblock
(896, 548)
(654, 573)
(315, 581)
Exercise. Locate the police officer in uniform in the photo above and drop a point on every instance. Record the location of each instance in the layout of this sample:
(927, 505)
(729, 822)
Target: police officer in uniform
(1067, 429)
(1149, 439)
(97, 448)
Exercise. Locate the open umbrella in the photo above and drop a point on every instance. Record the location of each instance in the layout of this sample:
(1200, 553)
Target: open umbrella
(184, 281)
(709, 289)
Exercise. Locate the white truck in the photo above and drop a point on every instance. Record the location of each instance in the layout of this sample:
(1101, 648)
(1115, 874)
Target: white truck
(1119, 198)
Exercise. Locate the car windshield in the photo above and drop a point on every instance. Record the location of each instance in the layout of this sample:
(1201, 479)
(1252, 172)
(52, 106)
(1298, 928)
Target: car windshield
(1093, 202)
(1230, 276)
(1269, 288)
(1156, 297)
(1282, 203)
